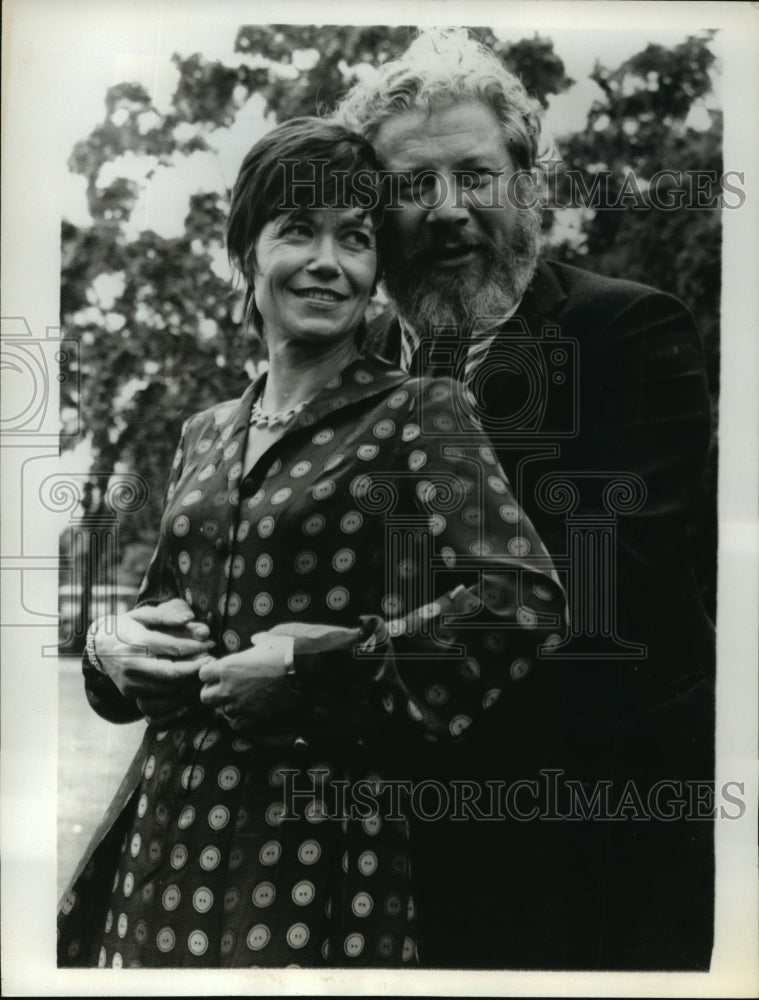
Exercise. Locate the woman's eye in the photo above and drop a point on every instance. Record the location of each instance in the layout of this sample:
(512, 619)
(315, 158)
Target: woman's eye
(358, 238)
(297, 229)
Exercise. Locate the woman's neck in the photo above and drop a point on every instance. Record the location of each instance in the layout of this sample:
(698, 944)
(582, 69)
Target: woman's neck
(297, 372)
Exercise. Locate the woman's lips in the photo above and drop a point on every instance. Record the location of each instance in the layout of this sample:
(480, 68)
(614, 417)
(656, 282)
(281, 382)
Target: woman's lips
(319, 294)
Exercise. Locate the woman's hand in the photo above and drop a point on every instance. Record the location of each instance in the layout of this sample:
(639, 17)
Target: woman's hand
(249, 687)
(153, 654)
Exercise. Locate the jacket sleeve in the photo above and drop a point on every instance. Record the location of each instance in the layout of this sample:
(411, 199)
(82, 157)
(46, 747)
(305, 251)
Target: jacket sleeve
(474, 596)
(158, 585)
(648, 407)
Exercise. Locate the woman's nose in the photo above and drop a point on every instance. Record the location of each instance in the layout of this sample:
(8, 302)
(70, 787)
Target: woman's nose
(325, 256)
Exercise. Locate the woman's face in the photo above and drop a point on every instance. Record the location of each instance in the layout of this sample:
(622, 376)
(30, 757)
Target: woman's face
(314, 274)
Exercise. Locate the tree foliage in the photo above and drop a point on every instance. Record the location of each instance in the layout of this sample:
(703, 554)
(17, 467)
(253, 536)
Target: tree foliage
(163, 340)
(636, 130)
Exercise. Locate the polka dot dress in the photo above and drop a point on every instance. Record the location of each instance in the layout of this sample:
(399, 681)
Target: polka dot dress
(212, 872)
(381, 512)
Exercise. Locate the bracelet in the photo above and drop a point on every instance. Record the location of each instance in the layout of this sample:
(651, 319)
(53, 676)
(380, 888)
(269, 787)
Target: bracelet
(292, 681)
(89, 647)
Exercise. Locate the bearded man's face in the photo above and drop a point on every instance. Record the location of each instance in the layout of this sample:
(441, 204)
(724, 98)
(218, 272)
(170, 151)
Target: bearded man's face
(464, 241)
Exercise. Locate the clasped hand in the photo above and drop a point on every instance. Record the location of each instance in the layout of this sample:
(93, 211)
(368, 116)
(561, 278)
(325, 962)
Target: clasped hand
(153, 654)
(249, 688)
(159, 657)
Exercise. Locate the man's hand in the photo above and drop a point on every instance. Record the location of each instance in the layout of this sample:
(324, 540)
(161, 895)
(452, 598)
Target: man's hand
(153, 655)
(250, 687)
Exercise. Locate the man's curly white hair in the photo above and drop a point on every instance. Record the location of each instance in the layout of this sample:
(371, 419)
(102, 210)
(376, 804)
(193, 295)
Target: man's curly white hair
(441, 68)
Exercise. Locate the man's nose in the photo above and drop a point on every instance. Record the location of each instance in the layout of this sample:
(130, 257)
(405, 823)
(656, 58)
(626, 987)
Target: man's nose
(445, 202)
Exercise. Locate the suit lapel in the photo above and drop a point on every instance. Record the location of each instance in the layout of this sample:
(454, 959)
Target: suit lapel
(541, 303)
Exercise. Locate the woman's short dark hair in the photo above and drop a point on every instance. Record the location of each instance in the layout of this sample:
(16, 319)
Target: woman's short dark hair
(301, 164)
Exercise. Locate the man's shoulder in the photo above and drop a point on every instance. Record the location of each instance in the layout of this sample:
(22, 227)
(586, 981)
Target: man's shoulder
(581, 285)
(599, 309)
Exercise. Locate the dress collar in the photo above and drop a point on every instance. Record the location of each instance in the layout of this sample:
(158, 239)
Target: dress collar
(360, 379)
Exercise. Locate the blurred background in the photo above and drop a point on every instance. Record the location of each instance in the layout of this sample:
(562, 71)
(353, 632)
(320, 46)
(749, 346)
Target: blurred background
(150, 306)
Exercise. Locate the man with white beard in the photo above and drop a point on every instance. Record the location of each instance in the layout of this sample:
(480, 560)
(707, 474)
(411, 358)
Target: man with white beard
(593, 392)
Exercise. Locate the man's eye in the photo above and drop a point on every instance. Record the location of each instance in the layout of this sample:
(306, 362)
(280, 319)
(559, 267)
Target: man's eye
(476, 177)
(424, 182)
(406, 185)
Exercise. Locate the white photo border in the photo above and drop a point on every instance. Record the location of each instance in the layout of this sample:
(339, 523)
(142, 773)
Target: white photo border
(46, 43)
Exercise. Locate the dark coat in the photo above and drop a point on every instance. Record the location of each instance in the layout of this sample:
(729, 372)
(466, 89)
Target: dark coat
(594, 396)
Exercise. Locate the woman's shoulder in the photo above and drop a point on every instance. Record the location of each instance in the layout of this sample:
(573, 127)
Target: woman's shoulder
(214, 418)
(443, 399)
(425, 383)
(443, 406)
(439, 389)
(413, 383)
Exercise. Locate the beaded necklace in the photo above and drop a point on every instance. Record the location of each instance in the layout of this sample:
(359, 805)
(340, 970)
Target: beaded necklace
(260, 418)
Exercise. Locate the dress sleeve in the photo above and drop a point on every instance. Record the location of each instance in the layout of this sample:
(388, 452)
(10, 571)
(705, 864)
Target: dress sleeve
(474, 591)
(158, 585)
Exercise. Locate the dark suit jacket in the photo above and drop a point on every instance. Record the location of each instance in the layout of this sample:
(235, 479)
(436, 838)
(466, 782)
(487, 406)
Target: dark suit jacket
(594, 396)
